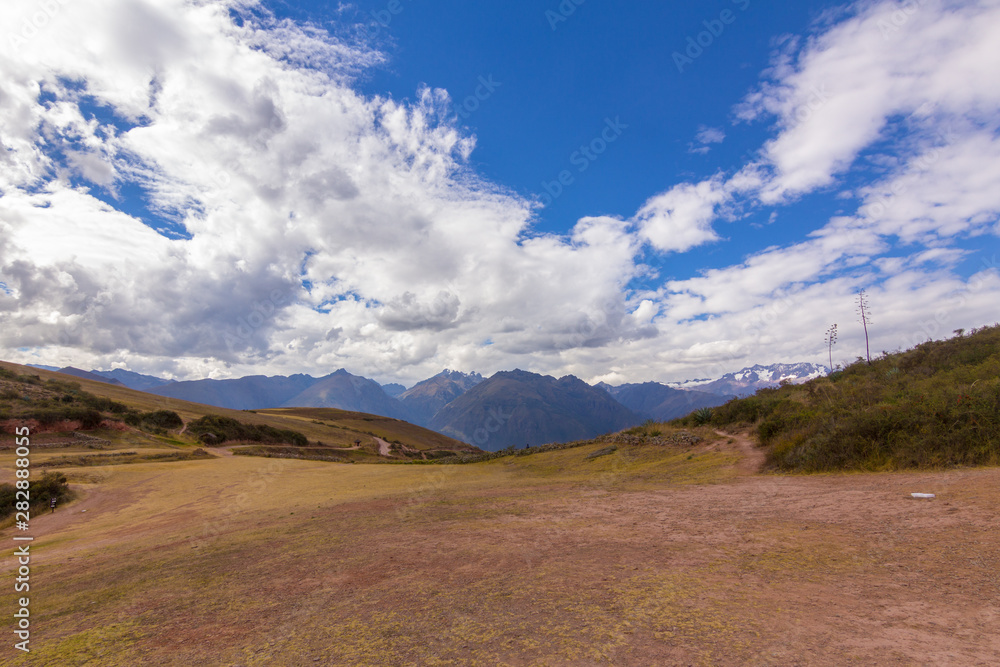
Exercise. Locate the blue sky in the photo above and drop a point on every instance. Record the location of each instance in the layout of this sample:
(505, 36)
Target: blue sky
(231, 187)
(561, 76)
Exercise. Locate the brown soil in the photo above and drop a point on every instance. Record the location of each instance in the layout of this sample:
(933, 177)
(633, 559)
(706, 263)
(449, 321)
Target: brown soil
(383, 447)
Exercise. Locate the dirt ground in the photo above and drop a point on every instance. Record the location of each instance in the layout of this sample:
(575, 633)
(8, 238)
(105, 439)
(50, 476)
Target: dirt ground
(634, 558)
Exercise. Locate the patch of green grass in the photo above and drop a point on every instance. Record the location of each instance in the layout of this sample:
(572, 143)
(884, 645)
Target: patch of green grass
(111, 645)
(117, 458)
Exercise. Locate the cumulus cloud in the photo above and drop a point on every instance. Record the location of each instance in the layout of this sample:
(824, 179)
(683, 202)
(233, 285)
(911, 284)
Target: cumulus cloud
(266, 174)
(288, 223)
(681, 218)
(930, 62)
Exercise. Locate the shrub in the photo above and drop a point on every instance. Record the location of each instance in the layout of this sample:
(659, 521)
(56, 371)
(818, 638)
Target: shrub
(702, 416)
(103, 404)
(935, 405)
(88, 417)
(160, 419)
(40, 492)
(224, 428)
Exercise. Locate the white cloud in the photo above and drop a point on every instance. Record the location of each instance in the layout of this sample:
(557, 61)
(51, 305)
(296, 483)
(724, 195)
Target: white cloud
(848, 85)
(706, 135)
(330, 229)
(941, 192)
(711, 135)
(681, 218)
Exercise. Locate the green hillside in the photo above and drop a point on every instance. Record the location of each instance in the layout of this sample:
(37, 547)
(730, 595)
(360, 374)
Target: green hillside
(936, 405)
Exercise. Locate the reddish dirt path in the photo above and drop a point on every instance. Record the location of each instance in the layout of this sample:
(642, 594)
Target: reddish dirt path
(752, 458)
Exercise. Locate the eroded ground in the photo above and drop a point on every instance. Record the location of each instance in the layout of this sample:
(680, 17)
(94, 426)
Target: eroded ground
(641, 557)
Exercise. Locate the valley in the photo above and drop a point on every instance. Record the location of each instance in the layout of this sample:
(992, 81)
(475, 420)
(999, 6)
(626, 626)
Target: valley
(200, 535)
(510, 408)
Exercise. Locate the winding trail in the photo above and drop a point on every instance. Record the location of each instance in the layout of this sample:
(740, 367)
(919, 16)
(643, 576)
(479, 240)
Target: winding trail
(753, 458)
(383, 447)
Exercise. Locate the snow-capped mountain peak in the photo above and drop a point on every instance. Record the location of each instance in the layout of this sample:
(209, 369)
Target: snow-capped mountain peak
(750, 379)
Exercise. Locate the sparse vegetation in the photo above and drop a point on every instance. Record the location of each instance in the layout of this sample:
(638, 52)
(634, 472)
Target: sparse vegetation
(308, 453)
(864, 316)
(117, 458)
(40, 493)
(831, 340)
(52, 402)
(157, 421)
(936, 405)
(225, 429)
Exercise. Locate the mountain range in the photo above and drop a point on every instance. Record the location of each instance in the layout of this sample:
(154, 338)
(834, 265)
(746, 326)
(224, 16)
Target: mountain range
(425, 399)
(515, 408)
(749, 380)
(247, 393)
(348, 392)
(509, 408)
(659, 402)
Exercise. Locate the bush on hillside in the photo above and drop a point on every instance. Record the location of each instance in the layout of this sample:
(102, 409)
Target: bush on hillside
(158, 420)
(40, 493)
(89, 418)
(225, 429)
(935, 405)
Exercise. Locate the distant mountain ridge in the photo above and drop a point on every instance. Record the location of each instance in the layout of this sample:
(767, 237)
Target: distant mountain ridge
(748, 380)
(254, 392)
(393, 389)
(77, 372)
(515, 408)
(425, 399)
(132, 380)
(653, 400)
(532, 408)
(348, 392)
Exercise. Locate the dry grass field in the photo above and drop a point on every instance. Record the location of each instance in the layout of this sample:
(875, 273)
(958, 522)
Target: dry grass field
(645, 556)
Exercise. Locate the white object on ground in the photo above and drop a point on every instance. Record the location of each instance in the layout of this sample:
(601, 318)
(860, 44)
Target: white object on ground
(922, 495)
